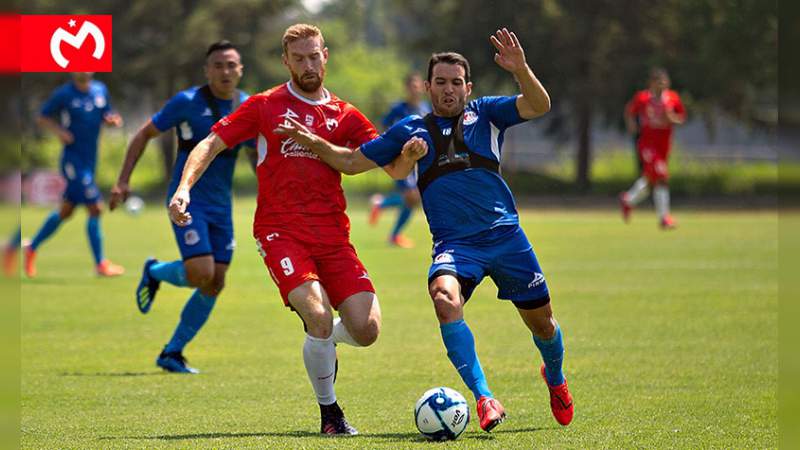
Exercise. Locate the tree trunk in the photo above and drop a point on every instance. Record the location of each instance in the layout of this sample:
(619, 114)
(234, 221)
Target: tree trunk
(584, 155)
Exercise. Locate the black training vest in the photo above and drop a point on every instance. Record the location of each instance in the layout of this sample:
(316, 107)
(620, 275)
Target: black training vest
(452, 153)
(187, 145)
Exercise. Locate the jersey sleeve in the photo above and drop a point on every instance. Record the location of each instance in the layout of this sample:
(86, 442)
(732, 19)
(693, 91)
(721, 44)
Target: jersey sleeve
(55, 104)
(385, 148)
(241, 125)
(678, 105)
(634, 106)
(502, 111)
(107, 107)
(358, 129)
(172, 113)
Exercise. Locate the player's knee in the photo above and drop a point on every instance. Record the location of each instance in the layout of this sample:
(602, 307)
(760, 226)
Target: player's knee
(200, 277)
(319, 322)
(447, 304)
(66, 212)
(368, 333)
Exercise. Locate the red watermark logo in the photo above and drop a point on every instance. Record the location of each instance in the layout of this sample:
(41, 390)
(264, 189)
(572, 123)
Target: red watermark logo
(65, 43)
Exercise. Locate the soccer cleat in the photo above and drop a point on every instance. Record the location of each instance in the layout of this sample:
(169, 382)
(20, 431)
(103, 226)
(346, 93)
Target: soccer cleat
(10, 260)
(668, 223)
(401, 241)
(560, 401)
(174, 362)
(148, 286)
(333, 422)
(490, 412)
(29, 260)
(375, 211)
(108, 269)
(625, 207)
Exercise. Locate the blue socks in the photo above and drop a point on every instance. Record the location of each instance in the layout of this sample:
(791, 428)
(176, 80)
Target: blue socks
(552, 351)
(16, 239)
(460, 346)
(95, 238)
(172, 272)
(193, 317)
(402, 219)
(49, 227)
(392, 200)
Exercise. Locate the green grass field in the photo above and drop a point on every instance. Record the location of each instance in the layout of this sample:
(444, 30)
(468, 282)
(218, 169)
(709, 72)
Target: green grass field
(671, 342)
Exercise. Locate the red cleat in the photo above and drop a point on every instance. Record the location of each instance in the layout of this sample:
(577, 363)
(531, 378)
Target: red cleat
(375, 211)
(10, 261)
(29, 260)
(401, 241)
(490, 412)
(108, 269)
(625, 206)
(668, 223)
(560, 401)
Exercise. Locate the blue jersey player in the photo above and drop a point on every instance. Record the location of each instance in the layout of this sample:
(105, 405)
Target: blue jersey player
(74, 113)
(206, 245)
(471, 212)
(406, 196)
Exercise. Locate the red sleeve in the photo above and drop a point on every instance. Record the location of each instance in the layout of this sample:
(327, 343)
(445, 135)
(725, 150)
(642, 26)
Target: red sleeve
(358, 129)
(241, 125)
(678, 105)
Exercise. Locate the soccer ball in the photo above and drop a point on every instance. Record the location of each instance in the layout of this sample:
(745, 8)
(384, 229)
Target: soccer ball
(441, 414)
(134, 205)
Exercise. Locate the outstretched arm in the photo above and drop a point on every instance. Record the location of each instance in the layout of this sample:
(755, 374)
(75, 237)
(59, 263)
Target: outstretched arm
(197, 163)
(534, 100)
(136, 147)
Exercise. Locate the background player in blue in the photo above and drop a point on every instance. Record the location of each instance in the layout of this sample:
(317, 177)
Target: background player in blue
(74, 113)
(406, 196)
(471, 212)
(207, 244)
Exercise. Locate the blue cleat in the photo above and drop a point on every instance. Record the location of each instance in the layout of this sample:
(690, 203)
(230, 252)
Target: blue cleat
(148, 286)
(174, 362)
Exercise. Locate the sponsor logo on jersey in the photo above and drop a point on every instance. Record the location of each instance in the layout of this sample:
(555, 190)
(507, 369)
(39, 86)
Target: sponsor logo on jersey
(289, 114)
(538, 279)
(444, 258)
(272, 236)
(470, 117)
(191, 237)
(290, 148)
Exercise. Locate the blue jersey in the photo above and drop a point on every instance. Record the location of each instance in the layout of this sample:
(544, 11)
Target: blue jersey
(82, 114)
(466, 203)
(401, 110)
(189, 112)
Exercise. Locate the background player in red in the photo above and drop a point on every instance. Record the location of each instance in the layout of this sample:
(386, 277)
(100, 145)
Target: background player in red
(300, 224)
(657, 109)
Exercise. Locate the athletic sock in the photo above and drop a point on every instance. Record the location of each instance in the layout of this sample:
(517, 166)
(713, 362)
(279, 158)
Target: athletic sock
(460, 346)
(661, 199)
(402, 220)
(16, 239)
(95, 238)
(392, 200)
(49, 227)
(552, 351)
(637, 192)
(319, 357)
(340, 334)
(172, 272)
(193, 317)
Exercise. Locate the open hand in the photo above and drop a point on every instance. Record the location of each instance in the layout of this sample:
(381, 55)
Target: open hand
(177, 208)
(298, 132)
(510, 55)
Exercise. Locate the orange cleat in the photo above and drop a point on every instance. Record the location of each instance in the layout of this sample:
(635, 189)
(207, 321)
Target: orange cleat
(668, 223)
(375, 211)
(29, 260)
(490, 412)
(625, 207)
(560, 401)
(401, 241)
(108, 269)
(10, 261)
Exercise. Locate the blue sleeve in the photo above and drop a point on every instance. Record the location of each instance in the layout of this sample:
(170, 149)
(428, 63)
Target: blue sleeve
(502, 111)
(172, 113)
(385, 148)
(55, 104)
(107, 109)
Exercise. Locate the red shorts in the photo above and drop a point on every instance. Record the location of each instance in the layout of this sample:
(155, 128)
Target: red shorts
(654, 154)
(292, 263)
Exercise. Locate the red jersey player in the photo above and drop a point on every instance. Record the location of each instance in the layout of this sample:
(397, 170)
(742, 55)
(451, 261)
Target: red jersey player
(300, 223)
(656, 110)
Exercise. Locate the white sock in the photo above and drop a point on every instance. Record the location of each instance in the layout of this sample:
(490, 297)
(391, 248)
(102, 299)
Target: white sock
(637, 192)
(341, 335)
(319, 356)
(661, 199)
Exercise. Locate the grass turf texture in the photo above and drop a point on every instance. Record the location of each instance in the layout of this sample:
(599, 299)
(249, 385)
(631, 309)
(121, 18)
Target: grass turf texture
(671, 341)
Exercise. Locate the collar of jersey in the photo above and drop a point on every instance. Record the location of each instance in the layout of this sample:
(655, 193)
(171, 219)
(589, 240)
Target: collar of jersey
(326, 96)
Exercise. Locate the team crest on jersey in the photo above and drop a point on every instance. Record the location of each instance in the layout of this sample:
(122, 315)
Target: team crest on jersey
(444, 258)
(309, 120)
(470, 117)
(100, 101)
(190, 237)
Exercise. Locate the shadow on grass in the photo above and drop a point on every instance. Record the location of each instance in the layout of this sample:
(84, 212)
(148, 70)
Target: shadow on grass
(111, 374)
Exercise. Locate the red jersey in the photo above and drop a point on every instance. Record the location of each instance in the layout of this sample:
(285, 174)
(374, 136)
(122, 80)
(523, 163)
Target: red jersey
(652, 110)
(298, 194)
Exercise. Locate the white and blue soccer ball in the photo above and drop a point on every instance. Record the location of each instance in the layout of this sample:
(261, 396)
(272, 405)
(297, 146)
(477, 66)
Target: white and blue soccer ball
(134, 205)
(441, 414)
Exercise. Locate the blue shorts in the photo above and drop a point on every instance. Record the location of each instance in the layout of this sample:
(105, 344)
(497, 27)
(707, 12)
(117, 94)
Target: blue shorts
(210, 232)
(505, 255)
(81, 188)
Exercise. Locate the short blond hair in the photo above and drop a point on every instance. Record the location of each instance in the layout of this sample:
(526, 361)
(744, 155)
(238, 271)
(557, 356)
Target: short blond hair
(300, 31)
